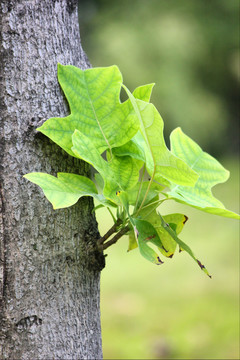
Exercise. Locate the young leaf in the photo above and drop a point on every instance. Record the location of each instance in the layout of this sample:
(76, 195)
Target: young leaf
(144, 233)
(160, 161)
(99, 181)
(126, 171)
(99, 197)
(96, 111)
(123, 196)
(182, 245)
(65, 190)
(135, 147)
(176, 222)
(143, 92)
(132, 243)
(210, 172)
(118, 174)
(154, 190)
(146, 210)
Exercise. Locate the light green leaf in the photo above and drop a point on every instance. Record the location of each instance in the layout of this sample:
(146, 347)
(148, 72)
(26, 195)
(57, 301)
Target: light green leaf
(181, 244)
(99, 181)
(143, 92)
(132, 243)
(160, 162)
(135, 147)
(96, 111)
(123, 196)
(65, 190)
(126, 170)
(144, 233)
(147, 210)
(100, 206)
(118, 174)
(155, 189)
(176, 222)
(210, 172)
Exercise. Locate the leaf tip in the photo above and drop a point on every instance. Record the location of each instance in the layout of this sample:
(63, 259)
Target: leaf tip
(59, 66)
(185, 219)
(26, 176)
(203, 268)
(160, 262)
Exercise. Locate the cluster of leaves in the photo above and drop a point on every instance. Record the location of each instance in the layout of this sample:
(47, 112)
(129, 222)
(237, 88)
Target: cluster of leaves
(130, 135)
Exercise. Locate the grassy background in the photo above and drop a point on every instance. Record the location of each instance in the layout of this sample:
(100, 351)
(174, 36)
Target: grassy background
(174, 311)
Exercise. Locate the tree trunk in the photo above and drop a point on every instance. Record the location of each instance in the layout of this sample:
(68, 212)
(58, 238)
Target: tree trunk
(50, 270)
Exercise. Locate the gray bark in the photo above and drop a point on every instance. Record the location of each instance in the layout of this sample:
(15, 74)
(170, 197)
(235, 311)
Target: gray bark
(49, 268)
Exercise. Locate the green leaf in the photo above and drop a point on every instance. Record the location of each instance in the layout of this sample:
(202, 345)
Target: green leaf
(132, 243)
(118, 174)
(160, 162)
(181, 244)
(99, 181)
(147, 210)
(176, 222)
(126, 170)
(210, 172)
(155, 189)
(143, 92)
(65, 190)
(144, 233)
(100, 206)
(123, 196)
(135, 147)
(96, 111)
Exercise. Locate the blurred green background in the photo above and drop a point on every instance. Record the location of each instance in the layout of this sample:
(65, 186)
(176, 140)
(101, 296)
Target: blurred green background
(190, 50)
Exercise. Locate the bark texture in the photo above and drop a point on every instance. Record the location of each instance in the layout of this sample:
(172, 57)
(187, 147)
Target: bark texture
(49, 268)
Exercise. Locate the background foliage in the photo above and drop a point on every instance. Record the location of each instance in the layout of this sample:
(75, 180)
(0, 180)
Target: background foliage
(190, 49)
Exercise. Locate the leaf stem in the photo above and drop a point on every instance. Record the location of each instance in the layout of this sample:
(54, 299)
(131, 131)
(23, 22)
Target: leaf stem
(113, 217)
(140, 187)
(111, 231)
(122, 232)
(146, 193)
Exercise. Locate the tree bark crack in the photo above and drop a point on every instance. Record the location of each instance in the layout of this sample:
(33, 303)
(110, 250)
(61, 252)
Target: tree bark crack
(2, 249)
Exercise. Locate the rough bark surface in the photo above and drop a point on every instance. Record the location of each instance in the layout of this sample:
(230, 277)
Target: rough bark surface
(49, 269)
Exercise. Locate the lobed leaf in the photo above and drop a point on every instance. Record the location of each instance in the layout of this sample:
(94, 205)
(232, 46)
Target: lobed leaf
(210, 172)
(160, 162)
(135, 192)
(118, 174)
(144, 233)
(65, 190)
(96, 111)
(143, 92)
(175, 221)
(182, 245)
(135, 147)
